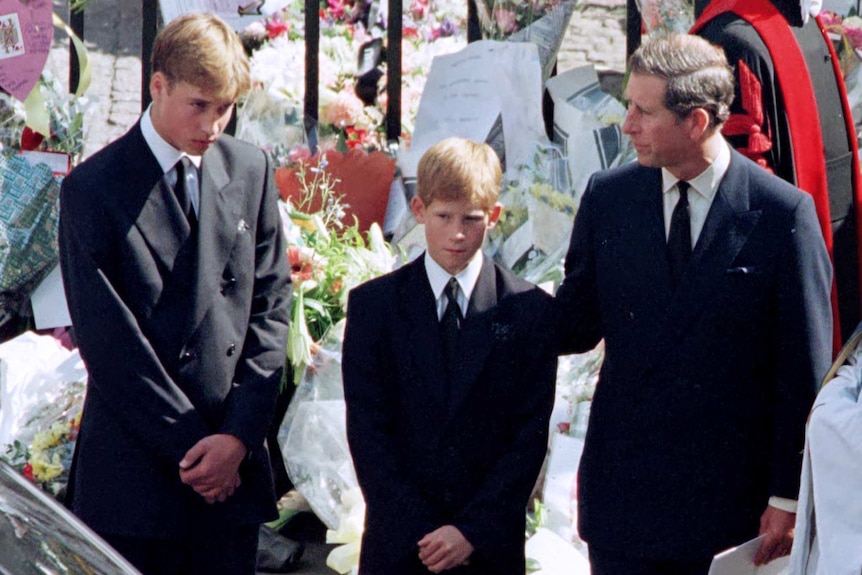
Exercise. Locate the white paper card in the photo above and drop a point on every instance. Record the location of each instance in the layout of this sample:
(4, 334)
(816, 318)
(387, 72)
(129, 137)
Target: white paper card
(228, 10)
(467, 91)
(49, 302)
(740, 561)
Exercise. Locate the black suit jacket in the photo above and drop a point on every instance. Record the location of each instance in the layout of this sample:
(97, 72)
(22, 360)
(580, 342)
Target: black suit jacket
(182, 337)
(425, 460)
(699, 413)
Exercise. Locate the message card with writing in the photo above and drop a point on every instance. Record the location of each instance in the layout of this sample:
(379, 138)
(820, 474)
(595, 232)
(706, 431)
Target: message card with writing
(26, 32)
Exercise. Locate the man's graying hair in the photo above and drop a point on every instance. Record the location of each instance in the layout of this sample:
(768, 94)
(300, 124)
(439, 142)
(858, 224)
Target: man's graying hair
(697, 74)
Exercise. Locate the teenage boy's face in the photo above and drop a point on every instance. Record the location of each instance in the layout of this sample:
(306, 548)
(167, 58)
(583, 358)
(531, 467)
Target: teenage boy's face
(188, 118)
(454, 230)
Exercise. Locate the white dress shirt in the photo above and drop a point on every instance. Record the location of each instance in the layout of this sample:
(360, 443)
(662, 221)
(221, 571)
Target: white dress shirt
(168, 156)
(438, 278)
(700, 194)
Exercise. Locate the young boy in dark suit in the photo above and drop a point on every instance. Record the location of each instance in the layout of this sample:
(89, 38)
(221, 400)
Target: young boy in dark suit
(449, 386)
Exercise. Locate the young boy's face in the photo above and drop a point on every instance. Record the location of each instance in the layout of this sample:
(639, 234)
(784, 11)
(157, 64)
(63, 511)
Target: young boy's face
(454, 230)
(187, 117)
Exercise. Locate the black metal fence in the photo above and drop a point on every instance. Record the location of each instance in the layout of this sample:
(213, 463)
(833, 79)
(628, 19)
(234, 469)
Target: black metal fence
(150, 25)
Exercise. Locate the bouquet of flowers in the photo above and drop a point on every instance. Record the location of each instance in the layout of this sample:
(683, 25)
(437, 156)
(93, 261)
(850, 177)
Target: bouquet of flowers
(539, 209)
(42, 388)
(667, 15)
(846, 34)
(64, 122)
(327, 258)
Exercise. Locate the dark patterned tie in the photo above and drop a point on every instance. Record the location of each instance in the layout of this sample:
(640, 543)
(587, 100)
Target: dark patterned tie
(450, 326)
(679, 238)
(181, 188)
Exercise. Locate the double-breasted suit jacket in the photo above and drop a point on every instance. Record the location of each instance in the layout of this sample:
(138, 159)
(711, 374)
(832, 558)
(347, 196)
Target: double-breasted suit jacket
(427, 457)
(699, 413)
(183, 334)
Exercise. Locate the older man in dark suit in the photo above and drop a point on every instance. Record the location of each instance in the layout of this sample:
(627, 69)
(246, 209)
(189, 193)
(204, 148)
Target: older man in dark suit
(709, 281)
(178, 287)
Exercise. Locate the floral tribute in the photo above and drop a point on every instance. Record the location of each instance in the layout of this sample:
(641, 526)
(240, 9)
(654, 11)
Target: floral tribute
(352, 71)
(846, 35)
(327, 255)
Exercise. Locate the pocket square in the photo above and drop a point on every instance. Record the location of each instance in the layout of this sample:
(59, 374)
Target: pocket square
(742, 270)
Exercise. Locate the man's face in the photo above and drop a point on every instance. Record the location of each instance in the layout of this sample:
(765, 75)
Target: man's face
(454, 230)
(188, 118)
(659, 137)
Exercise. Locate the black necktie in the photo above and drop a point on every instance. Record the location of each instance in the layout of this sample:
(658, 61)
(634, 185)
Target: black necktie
(182, 167)
(450, 325)
(679, 238)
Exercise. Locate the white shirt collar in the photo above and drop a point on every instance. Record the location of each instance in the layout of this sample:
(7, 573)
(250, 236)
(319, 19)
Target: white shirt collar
(165, 154)
(706, 183)
(467, 278)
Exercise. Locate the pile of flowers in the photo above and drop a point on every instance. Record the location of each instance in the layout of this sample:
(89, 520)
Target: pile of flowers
(272, 115)
(43, 447)
(328, 257)
(847, 33)
(502, 18)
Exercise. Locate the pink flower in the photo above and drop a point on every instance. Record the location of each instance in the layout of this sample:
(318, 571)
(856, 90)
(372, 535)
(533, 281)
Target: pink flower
(344, 110)
(855, 36)
(507, 21)
(830, 18)
(276, 26)
(420, 9)
(336, 8)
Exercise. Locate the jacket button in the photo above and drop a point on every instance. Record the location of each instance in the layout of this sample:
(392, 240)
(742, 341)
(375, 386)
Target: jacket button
(231, 349)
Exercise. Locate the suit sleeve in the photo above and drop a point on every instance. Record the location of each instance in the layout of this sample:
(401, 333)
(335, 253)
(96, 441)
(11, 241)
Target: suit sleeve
(576, 315)
(371, 426)
(123, 367)
(251, 402)
(804, 324)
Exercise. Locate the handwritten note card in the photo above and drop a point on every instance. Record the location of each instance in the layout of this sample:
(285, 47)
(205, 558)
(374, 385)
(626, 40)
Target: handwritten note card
(26, 33)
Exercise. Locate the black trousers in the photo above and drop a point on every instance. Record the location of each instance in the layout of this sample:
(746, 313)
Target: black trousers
(605, 562)
(213, 551)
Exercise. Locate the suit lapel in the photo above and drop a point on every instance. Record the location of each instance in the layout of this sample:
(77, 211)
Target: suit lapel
(476, 336)
(726, 230)
(159, 205)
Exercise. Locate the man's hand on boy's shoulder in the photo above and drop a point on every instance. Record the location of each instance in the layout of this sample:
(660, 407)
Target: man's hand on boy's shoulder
(444, 548)
(211, 466)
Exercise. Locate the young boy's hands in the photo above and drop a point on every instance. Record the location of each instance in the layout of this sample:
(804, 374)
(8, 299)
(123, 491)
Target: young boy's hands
(444, 548)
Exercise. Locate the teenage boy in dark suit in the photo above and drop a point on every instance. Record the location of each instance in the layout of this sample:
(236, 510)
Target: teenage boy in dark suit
(178, 286)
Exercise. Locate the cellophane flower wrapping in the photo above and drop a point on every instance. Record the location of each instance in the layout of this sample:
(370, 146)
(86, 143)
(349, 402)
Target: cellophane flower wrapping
(313, 435)
(666, 16)
(846, 35)
(533, 232)
(42, 388)
(29, 216)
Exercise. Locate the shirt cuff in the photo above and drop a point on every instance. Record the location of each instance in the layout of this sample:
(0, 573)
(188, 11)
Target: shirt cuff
(783, 503)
